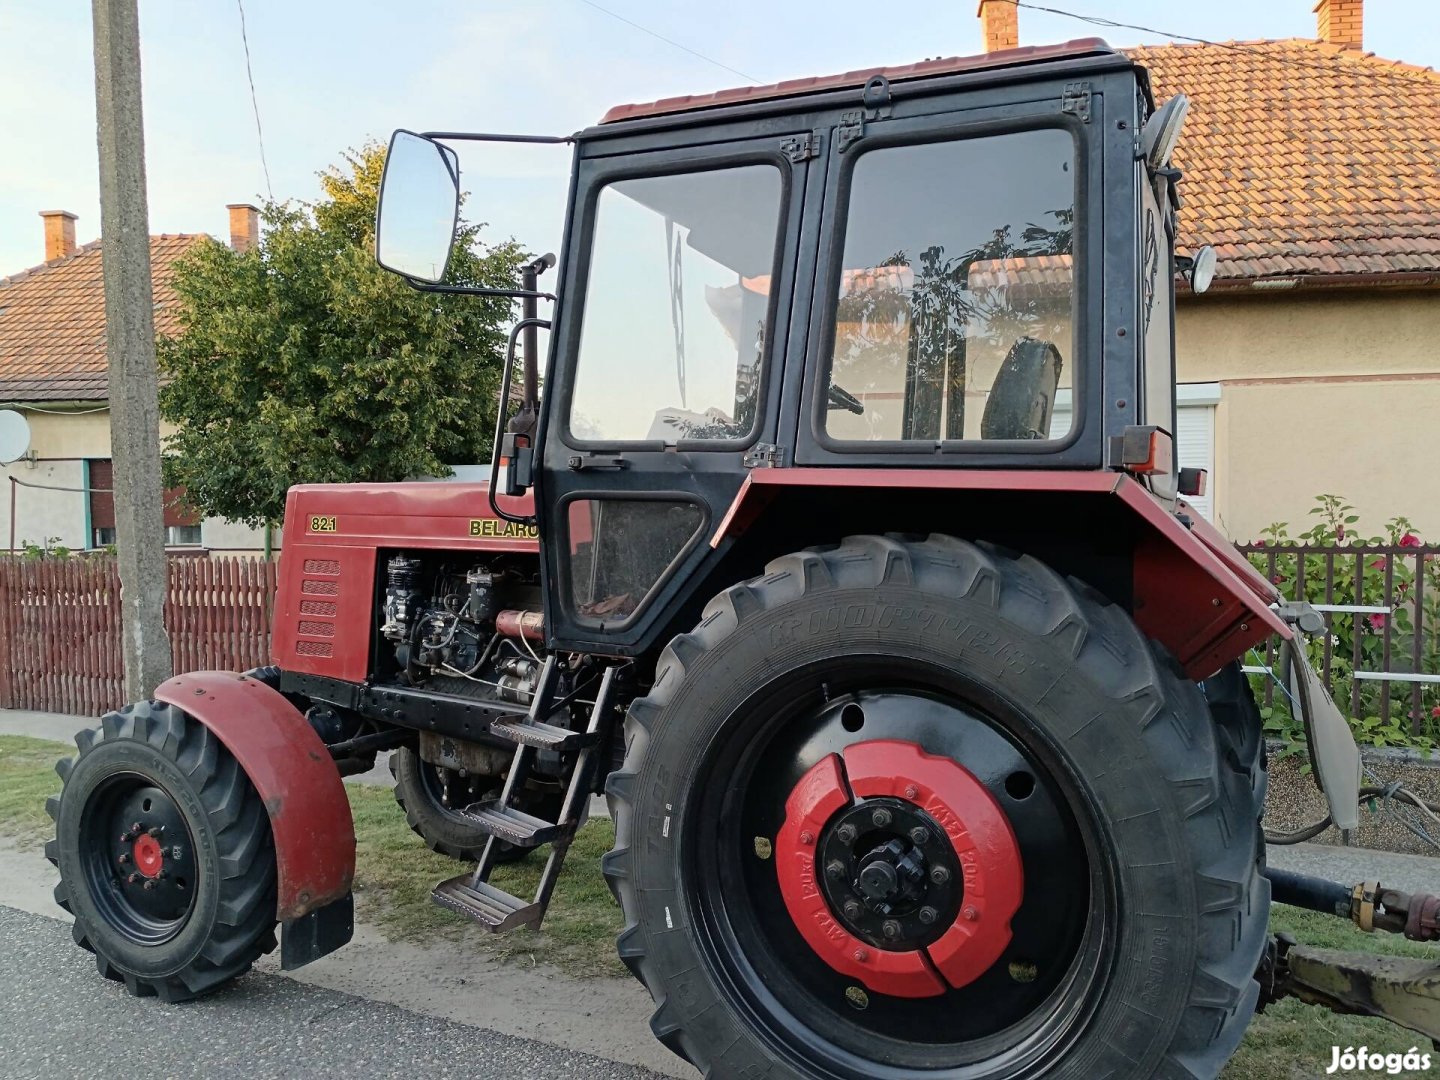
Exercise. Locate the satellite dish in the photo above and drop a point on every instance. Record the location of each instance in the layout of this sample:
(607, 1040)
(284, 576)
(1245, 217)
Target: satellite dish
(14, 436)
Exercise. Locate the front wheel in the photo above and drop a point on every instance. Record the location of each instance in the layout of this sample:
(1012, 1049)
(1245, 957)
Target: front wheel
(165, 854)
(905, 806)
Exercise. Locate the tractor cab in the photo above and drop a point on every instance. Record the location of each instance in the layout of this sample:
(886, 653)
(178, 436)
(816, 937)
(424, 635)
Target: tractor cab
(956, 265)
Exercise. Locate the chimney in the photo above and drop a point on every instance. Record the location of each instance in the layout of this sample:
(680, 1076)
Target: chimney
(244, 226)
(1341, 22)
(59, 234)
(1000, 23)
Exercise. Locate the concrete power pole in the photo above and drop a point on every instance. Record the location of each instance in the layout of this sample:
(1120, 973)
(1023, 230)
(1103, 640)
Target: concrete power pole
(130, 346)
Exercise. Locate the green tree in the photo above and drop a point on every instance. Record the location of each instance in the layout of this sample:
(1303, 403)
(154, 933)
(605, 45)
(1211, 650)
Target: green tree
(301, 361)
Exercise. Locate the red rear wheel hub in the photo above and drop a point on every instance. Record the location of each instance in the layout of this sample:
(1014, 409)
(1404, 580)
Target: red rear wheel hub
(899, 868)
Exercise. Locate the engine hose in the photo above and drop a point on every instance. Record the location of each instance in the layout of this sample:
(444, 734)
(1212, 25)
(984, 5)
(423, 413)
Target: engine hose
(1311, 893)
(1309, 832)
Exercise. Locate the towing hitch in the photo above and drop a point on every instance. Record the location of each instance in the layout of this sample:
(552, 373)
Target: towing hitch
(1403, 990)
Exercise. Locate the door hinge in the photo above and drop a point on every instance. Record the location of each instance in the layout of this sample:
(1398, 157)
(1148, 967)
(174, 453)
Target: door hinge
(800, 148)
(850, 128)
(764, 456)
(1076, 100)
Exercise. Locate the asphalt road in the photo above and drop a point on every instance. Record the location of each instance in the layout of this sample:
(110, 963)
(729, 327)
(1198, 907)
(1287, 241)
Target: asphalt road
(59, 1019)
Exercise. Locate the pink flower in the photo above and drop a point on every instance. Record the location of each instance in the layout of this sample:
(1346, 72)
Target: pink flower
(1435, 712)
(1259, 543)
(1377, 622)
(1379, 564)
(1339, 532)
(1411, 540)
(1278, 579)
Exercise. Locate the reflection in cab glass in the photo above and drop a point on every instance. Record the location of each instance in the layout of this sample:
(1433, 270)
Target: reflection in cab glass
(954, 312)
(677, 294)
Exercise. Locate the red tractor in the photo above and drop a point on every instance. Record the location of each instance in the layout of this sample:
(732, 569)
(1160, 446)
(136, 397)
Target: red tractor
(846, 552)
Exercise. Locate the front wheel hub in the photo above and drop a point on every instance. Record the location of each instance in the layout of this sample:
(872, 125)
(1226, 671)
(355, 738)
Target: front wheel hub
(899, 868)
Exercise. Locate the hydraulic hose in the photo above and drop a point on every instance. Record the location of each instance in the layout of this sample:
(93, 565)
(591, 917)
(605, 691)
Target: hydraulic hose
(1309, 832)
(1312, 893)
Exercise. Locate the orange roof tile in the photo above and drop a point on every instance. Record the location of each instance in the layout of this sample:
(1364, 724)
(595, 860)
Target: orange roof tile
(52, 322)
(1302, 158)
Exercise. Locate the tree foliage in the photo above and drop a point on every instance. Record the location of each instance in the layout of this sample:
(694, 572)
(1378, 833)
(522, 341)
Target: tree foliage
(301, 361)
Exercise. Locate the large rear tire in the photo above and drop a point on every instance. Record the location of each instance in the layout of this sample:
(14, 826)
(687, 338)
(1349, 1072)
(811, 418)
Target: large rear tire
(1143, 916)
(165, 854)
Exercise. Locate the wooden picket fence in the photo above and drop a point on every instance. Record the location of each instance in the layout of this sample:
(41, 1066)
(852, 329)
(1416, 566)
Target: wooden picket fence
(60, 626)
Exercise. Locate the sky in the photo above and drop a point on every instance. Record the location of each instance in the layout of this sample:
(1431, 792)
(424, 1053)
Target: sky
(332, 74)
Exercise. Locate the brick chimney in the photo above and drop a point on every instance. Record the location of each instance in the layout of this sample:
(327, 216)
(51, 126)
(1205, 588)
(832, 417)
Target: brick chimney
(59, 234)
(1000, 24)
(244, 226)
(1342, 22)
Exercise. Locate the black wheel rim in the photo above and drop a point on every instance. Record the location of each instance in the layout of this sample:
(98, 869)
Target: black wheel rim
(1027, 1008)
(139, 859)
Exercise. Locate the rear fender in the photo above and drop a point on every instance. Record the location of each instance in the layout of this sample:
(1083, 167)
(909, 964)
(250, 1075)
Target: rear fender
(297, 781)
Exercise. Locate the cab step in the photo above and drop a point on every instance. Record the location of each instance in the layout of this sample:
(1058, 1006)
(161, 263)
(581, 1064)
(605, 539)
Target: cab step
(471, 894)
(527, 732)
(494, 909)
(511, 825)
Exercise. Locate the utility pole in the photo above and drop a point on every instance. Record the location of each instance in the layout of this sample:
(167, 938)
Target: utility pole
(130, 347)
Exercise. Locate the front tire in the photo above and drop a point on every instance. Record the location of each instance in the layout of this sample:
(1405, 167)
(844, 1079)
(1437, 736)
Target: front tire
(165, 854)
(964, 652)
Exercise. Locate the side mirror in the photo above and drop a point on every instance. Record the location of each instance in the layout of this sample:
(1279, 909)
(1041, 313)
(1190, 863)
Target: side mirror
(1161, 133)
(1199, 268)
(419, 207)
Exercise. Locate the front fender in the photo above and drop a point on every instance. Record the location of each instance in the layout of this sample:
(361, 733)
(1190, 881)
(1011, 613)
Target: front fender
(297, 781)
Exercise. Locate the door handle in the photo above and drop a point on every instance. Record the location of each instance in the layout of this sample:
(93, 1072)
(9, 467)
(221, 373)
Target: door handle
(578, 463)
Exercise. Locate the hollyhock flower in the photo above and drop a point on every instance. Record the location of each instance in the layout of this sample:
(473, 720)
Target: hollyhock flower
(1411, 540)
(1379, 564)
(1377, 622)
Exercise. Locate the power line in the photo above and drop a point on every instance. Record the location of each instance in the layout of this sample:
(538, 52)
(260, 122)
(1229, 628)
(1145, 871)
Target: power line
(669, 41)
(254, 104)
(1232, 46)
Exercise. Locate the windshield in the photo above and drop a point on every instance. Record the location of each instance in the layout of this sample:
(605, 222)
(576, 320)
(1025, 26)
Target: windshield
(954, 310)
(673, 329)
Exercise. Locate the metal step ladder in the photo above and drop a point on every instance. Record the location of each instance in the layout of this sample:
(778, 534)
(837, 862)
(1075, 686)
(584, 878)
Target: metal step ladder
(471, 894)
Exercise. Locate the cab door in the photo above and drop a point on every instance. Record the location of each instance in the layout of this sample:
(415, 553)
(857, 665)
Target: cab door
(665, 369)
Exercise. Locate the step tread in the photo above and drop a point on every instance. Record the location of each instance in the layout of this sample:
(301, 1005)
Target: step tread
(540, 735)
(512, 825)
(494, 909)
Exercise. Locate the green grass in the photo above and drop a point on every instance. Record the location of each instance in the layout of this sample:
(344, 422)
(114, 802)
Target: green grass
(395, 873)
(27, 779)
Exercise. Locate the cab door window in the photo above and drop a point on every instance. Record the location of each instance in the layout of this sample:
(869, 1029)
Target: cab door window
(676, 305)
(955, 298)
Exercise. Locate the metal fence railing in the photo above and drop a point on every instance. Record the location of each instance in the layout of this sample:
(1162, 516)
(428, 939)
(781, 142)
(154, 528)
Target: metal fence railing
(1380, 654)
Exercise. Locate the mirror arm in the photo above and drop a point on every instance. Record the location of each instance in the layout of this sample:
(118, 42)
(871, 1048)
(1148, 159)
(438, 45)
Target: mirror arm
(480, 136)
(526, 325)
(476, 290)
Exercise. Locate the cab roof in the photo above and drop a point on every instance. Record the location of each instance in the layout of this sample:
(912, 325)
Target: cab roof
(952, 65)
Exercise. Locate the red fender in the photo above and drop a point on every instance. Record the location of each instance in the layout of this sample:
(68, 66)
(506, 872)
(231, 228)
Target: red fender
(292, 771)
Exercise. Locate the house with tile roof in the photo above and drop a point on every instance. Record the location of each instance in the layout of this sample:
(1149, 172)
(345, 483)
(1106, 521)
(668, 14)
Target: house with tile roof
(1313, 363)
(53, 370)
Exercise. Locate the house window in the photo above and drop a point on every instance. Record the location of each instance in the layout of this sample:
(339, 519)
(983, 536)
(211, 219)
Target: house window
(182, 524)
(182, 535)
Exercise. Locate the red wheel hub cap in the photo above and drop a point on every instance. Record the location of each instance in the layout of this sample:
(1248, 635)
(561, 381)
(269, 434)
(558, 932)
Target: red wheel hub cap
(149, 856)
(980, 842)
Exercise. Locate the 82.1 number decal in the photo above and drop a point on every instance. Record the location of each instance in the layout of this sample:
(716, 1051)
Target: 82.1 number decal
(322, 523)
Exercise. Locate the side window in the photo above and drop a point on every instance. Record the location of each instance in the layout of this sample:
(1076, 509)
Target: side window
(954, 309)
(674, 326)
(1156, 282)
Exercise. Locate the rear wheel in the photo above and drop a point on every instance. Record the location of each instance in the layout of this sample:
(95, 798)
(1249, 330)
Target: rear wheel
(902, 806)
(165, 854)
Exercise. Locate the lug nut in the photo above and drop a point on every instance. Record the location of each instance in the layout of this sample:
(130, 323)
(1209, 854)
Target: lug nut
(846, 834)
(132, 879)
(807, 838)
(852, 909)
(927, 915)
(861, 955)
(891, 929)
(124, 858)
(939, 875)
(156, 830)
(835, 868)
(880, 818)
(148, 886)
(970, 914)
(136, 829)
(911, 791)
(919, 835)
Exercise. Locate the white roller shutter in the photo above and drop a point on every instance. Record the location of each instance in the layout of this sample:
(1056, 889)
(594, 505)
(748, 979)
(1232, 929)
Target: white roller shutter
(1194, 434)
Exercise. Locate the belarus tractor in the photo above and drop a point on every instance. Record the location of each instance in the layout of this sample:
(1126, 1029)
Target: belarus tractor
(846, 552)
